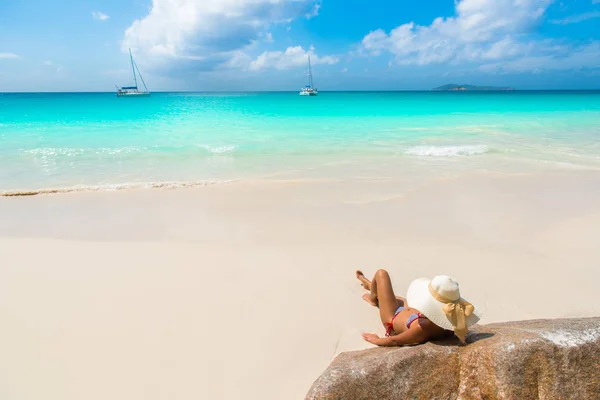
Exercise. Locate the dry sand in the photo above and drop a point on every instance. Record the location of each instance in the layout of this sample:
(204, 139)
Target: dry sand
(247, 290)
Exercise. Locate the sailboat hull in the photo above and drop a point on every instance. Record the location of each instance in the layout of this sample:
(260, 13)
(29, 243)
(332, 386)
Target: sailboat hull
(139, 94)
(308, 92)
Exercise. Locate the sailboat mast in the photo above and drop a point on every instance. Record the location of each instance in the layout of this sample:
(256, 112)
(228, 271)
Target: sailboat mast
(141, 77)
(133, 69)
(310, 81)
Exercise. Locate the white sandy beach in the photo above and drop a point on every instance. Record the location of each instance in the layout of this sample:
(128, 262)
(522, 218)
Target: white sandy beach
(247, 290)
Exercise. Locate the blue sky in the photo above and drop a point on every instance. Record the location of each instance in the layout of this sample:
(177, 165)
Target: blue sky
(80, 45)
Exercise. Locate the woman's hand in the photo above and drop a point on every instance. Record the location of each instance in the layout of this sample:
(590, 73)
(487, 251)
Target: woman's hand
(371, 338)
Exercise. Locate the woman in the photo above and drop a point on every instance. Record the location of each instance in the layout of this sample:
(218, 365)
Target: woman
(432, 310)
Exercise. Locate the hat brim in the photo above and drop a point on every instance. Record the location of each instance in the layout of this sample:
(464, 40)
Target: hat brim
(418, 297)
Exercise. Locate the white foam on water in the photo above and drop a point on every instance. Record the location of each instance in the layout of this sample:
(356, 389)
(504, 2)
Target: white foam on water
(227, 148)
(220, 149)
(114, 187)
(447, 151)
(50, 151)
(68, 152)
(64, 151)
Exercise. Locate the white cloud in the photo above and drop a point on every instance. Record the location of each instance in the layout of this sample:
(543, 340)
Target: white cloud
(99, 16)
(8, 56)
(344, 70)
(557, 58)
(314, 12)
(481, 29)
(237, 60)
(494, 34)
(180, 30)
(292, 57)
(574, 19)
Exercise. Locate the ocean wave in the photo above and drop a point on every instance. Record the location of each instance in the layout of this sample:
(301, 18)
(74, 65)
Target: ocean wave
(66, 151)
(446, 151)
(50, 151)
(219, 149)
(114, 187)
(46, 152)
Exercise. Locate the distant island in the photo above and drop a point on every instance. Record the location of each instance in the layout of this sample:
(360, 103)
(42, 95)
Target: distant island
(455, 88)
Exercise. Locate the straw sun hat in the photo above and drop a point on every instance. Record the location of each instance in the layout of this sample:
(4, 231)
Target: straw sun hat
(439, 300)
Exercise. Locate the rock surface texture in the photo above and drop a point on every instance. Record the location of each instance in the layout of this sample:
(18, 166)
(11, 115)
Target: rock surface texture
(540, 359)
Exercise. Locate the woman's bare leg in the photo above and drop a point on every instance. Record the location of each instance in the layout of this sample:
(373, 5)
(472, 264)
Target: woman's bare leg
(363, 281)
(381, 294)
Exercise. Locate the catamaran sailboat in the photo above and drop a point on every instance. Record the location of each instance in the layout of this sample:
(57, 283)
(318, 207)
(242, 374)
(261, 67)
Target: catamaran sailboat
(133, 90)
(309, 90)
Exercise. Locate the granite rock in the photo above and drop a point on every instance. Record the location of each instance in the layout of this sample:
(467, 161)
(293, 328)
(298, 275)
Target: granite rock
(539, 359)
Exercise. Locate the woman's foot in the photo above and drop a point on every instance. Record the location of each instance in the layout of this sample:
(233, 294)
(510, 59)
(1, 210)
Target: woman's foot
(369, 298)
(364, 281)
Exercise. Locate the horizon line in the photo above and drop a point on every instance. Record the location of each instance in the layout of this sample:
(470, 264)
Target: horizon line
(323, 91)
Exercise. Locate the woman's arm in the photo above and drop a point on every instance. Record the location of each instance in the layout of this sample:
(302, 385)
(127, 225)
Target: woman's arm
(415, 335)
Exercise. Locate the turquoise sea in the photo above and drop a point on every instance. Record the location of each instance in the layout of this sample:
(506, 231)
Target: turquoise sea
(98, 141)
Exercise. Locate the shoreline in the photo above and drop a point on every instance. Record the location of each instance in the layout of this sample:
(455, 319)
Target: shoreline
(113, 187)
(391, 168)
